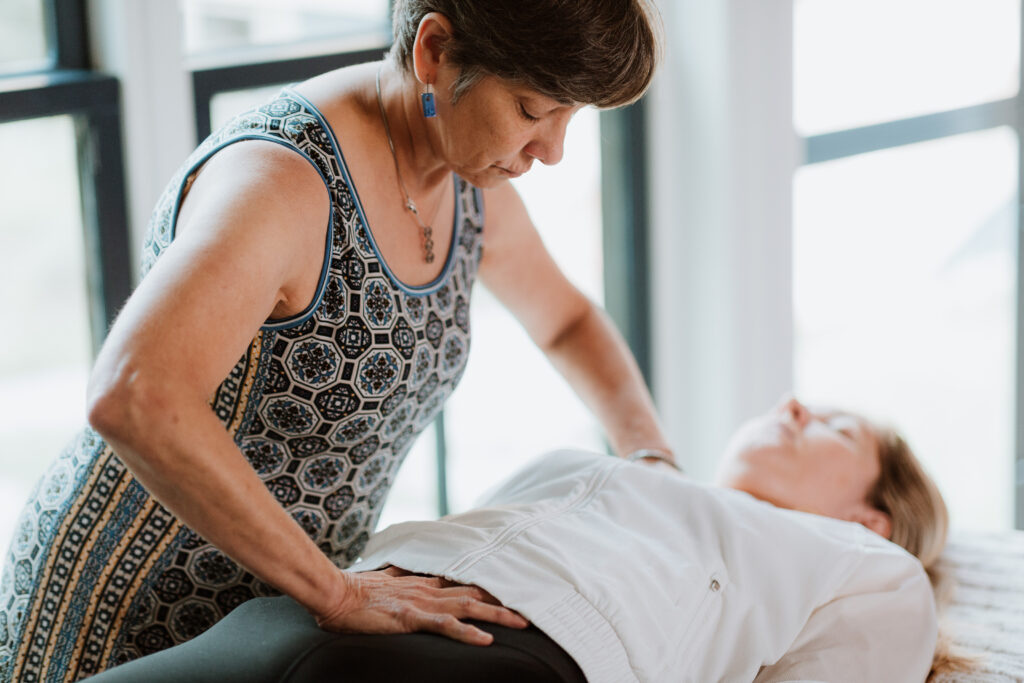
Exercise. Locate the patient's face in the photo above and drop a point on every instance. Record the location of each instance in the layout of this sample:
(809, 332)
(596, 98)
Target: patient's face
(804, 458)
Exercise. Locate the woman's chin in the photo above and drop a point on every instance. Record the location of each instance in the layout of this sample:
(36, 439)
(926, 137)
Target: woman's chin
(485, 180)
(485, 183)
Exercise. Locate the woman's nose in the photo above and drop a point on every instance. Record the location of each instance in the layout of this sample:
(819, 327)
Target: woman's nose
(549, 146)
(548, 153)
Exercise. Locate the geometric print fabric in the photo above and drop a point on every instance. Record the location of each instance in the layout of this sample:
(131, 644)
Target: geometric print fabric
(324, 407)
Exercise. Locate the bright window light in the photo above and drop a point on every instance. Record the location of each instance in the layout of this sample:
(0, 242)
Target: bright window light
(905, 268)
(865, 62)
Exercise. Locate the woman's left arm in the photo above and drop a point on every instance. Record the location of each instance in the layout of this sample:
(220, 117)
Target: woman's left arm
(577, 336)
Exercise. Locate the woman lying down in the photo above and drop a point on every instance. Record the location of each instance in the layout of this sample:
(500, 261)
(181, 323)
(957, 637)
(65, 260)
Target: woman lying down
(628, 571)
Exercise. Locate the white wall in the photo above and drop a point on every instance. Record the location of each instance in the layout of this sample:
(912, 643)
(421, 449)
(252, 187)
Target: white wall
(723, 153)
(139, 41)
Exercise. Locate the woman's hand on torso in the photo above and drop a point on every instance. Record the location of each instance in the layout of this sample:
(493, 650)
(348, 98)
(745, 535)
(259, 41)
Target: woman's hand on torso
(393, 600)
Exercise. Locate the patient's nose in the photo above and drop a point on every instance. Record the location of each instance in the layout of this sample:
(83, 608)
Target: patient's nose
(796, 410)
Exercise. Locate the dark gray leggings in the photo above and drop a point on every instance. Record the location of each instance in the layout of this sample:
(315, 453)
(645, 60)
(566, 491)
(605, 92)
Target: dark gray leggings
(274, 640)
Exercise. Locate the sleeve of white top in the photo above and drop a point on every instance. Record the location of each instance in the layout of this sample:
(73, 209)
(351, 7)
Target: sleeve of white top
(880, 627)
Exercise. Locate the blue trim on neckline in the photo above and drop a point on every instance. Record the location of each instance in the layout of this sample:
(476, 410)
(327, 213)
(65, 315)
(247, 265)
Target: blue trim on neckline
(414, 290)
(308, 311)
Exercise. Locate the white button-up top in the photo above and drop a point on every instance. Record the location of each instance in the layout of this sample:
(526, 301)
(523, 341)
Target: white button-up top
(643, 575)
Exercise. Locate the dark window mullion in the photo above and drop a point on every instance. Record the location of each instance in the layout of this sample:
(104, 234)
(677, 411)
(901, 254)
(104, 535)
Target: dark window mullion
(625, 228)
(209, 82)
(67, 37)
(441, 451)
(52, 93)
(104, 213)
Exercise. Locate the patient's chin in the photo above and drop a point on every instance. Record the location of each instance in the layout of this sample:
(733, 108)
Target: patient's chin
(736, 475)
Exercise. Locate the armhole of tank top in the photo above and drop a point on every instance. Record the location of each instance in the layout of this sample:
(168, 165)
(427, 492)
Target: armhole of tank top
(307, 312)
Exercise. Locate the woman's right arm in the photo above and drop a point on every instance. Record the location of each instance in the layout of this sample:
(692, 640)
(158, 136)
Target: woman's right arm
(236, 255)
(246, 232)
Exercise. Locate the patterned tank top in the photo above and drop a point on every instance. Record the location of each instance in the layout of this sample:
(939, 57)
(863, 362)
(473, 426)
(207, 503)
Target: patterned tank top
(324, 405)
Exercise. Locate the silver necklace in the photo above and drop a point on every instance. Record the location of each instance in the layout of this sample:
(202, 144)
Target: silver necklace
(410, 206)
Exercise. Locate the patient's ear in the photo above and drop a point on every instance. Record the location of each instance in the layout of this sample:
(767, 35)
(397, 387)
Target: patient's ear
(872, 518)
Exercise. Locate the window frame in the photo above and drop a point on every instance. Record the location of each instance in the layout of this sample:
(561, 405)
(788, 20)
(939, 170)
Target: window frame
(69, 86)
(207, 82)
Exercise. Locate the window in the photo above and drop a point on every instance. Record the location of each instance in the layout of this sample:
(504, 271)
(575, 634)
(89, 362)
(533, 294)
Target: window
(223, 26)
(46, 355)
(22, 36)
(64, 268)
(225, 105)
(415, 493)
(512, 405)
(905, 291)
(860, 63)
(906, 303)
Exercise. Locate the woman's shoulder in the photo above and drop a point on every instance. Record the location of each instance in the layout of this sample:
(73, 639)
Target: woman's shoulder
(344, 97)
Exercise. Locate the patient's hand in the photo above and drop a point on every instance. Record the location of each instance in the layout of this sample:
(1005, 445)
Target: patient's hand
(393, 600)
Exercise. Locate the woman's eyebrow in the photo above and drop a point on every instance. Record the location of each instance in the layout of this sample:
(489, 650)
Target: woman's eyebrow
(546, 102)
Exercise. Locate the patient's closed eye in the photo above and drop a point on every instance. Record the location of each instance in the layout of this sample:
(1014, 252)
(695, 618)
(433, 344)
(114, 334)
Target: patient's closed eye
(844, 426)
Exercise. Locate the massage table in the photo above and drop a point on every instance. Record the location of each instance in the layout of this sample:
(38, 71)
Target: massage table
(986, 614)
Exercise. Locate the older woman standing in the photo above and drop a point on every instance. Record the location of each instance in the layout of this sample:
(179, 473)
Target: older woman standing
(308, 275)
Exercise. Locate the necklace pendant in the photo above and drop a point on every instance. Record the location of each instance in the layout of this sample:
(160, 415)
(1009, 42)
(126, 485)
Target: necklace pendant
(428, 111)
(428, 244)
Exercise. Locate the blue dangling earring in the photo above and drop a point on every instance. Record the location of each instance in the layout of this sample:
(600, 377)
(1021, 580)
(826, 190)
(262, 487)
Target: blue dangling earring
(429, 111)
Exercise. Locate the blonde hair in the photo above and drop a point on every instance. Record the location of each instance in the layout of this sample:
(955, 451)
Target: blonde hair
(920, 523)
(910, 498)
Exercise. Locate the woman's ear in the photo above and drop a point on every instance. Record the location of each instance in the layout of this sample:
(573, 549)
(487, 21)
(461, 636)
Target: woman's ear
(428, 49)
(872, 518)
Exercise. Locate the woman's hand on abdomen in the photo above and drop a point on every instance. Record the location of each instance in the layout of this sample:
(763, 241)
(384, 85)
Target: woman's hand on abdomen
(393, 600)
